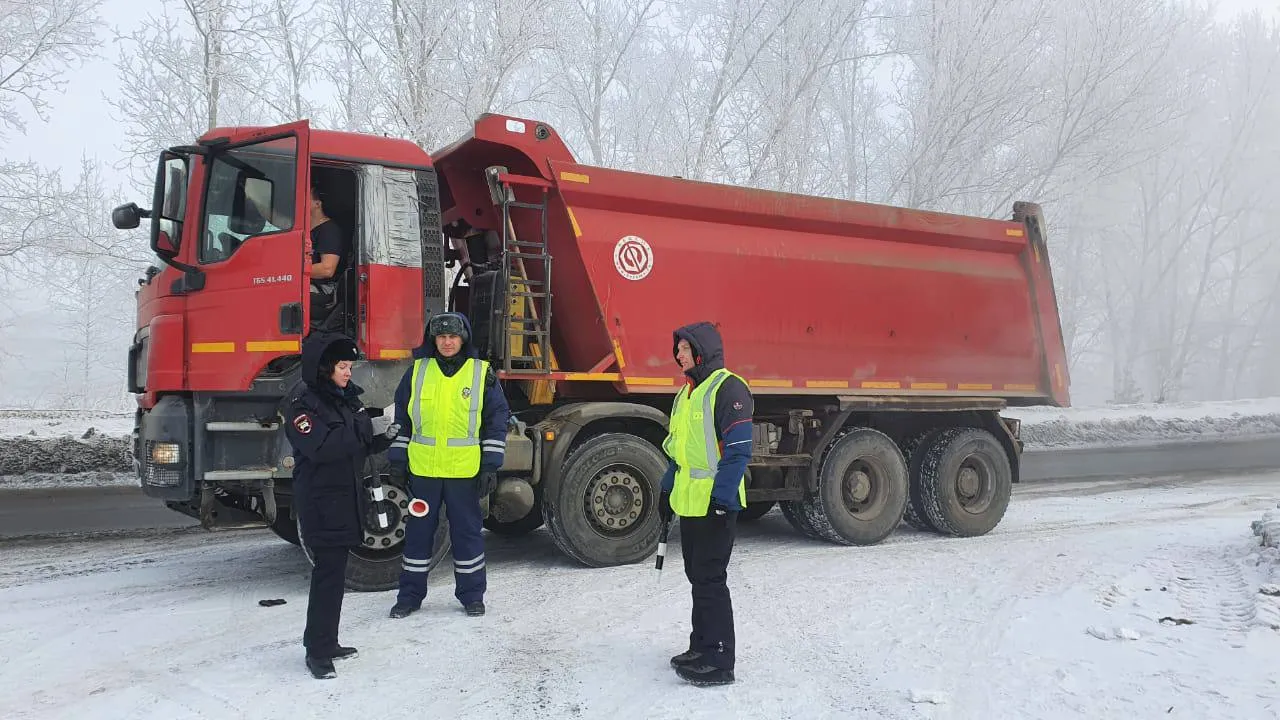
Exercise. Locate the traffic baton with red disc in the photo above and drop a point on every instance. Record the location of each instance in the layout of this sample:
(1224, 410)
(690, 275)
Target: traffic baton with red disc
(418, 507)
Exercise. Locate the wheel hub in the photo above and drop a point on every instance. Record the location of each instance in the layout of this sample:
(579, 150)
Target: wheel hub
(859, 489)
(615, 500)
(860, 486)
(973, 484)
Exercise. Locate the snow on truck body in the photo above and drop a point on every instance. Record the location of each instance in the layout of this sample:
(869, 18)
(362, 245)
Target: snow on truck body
(881, 343)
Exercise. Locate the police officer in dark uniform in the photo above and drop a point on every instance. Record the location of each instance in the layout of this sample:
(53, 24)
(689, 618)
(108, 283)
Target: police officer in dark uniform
(331, 434)
(705, 484)
(451, 417)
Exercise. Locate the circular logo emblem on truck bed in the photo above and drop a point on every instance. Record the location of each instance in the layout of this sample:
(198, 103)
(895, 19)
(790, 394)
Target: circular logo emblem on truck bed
(633, 257)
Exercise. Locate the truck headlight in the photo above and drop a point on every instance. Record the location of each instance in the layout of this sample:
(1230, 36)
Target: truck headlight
(165, 454)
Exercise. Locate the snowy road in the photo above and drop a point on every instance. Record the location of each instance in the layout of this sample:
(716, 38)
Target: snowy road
(994, 627)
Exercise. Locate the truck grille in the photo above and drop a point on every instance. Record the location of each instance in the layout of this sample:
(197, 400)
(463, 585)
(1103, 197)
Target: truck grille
(432, 247)
(159, 475)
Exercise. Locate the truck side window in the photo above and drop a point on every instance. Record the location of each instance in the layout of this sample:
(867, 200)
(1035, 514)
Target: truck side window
(250, 194)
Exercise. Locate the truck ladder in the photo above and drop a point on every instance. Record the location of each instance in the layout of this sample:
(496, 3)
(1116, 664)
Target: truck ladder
(526, 314)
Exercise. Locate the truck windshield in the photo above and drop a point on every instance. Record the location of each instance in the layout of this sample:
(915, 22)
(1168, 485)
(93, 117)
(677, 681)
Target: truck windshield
(251, 193)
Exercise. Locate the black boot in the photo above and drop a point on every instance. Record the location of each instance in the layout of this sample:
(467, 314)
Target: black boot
(400, 611)
(685, 658)
(702, 674)
(475, 609)
(321, 667)
(342, 653)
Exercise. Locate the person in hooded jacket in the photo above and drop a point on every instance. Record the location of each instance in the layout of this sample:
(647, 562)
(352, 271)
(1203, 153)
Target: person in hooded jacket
(451, 419)
(331, 435)
(705, 484)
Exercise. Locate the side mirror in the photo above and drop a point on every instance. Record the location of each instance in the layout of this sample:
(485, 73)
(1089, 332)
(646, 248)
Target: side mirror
(127, 216)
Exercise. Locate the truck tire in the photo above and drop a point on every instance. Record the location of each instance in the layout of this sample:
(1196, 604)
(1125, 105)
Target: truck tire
(376, 567)
(755, 511)
(793, 511)
(524, 525)
(604, 510)
(913, 515)
(862, 490)
(965, 482)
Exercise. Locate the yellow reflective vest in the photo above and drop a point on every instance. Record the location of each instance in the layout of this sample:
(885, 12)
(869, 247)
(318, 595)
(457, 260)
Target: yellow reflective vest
(691, 442)
(445, 442)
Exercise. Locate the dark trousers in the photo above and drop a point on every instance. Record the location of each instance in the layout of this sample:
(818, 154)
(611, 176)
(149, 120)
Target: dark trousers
(458, 498)
(324, 604)
(706, 544)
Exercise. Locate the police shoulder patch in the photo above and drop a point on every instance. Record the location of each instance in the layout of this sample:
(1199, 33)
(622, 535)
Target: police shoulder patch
(303, 423)
(737, 404)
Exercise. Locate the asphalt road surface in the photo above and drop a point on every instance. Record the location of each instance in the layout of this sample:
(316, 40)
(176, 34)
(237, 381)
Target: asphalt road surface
(102, 510)
(116, 510)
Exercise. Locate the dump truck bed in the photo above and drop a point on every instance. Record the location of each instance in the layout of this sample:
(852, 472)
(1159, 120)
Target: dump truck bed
(812, 295)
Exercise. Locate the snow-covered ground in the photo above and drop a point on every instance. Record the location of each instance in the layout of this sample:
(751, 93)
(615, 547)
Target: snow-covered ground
(1102, 600)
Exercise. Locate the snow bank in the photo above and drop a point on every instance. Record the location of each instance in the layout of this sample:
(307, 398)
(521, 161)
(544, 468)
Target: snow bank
(1048, 427)
(1266, 562)
(64, 423)
(64, 455)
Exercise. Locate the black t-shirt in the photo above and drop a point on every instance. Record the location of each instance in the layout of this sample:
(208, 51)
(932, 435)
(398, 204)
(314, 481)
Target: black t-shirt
(327, 239)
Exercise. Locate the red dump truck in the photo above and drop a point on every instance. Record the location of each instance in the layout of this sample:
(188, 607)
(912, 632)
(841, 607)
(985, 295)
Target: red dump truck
(881, 343)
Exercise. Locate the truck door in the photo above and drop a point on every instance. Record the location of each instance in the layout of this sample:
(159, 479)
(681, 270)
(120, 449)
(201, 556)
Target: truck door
(249, 304)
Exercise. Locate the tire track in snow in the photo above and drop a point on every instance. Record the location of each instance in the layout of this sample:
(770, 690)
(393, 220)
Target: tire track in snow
(1213, 591)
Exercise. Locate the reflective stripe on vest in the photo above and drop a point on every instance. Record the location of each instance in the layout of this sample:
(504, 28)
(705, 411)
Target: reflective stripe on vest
(439, 395)
(694, 447)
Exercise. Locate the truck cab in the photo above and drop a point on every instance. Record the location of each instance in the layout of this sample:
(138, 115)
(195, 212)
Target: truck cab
(221, 320)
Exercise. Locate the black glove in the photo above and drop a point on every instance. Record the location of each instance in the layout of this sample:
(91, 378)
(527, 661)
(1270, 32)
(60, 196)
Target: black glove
(664, 507)
(719, 510)
(400, 476)
(486, 482)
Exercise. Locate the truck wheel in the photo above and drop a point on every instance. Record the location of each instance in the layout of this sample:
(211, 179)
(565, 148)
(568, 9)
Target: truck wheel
(755, 511)
(524, 525)
(965, 482)
(913, 514)
(862, 490)
(794, 512)
(604, 510)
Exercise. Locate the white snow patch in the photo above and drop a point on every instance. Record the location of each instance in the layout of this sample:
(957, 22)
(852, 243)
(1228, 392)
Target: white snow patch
(1268, 528)
(1112, 425)
(920, 626)
(60, 423)
(1161, 411)
(1118, 633)
(932, 697)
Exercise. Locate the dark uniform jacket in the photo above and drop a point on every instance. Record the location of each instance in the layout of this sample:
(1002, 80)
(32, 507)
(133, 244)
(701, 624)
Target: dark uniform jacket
(331, 435)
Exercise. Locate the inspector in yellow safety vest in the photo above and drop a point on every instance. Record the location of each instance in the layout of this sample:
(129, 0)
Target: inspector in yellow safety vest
(691, 441)
(445, 411)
